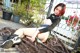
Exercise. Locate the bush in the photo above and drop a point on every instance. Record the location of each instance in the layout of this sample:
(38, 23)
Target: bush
(19, 9)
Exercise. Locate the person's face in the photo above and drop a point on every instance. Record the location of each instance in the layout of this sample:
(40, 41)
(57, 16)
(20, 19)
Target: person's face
(58, 10)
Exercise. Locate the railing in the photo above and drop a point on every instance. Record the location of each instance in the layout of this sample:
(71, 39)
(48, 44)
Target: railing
(67, 33)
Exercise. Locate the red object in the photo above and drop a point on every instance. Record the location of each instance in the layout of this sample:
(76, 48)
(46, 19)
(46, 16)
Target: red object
(72, 20)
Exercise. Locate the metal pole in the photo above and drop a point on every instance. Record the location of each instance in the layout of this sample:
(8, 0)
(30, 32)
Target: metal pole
(50, 7)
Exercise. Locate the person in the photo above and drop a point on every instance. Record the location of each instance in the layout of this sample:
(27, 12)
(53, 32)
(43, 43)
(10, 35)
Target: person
(42, 32)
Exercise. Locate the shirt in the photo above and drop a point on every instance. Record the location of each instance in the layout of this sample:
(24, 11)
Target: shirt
(55, 21)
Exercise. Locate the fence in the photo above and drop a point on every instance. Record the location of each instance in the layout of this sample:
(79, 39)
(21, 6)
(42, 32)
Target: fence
(67, 33)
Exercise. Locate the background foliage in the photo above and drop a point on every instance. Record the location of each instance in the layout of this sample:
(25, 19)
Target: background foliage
(33, 8)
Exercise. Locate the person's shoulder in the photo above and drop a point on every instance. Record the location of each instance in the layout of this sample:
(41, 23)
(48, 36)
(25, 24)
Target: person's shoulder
(52, 14)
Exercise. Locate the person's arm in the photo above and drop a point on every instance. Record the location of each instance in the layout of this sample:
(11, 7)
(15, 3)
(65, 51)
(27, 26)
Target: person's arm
(50, 27)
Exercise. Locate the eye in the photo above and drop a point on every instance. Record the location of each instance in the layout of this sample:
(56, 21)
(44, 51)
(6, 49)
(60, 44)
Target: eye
(56, 8)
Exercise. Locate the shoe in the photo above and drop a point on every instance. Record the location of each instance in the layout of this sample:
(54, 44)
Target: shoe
(7, 44)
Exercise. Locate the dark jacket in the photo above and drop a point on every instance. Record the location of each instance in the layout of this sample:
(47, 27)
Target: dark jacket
(55, 21)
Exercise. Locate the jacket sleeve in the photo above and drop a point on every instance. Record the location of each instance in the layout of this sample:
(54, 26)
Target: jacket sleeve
(50, 27)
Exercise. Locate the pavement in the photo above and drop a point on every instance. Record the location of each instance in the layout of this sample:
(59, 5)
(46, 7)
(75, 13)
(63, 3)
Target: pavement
(13, 25)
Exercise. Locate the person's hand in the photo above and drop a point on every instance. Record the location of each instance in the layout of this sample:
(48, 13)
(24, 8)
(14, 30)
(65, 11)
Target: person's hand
(39, 33)
(31, 39)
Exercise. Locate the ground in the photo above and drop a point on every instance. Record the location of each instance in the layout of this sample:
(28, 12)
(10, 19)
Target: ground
(10, 24)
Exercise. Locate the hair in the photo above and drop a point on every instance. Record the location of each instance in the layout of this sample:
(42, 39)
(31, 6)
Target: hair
(63, 8)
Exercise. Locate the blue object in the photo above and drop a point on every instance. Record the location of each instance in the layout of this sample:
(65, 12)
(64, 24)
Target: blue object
(16, 18)
(44, 25)
(7, 3)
